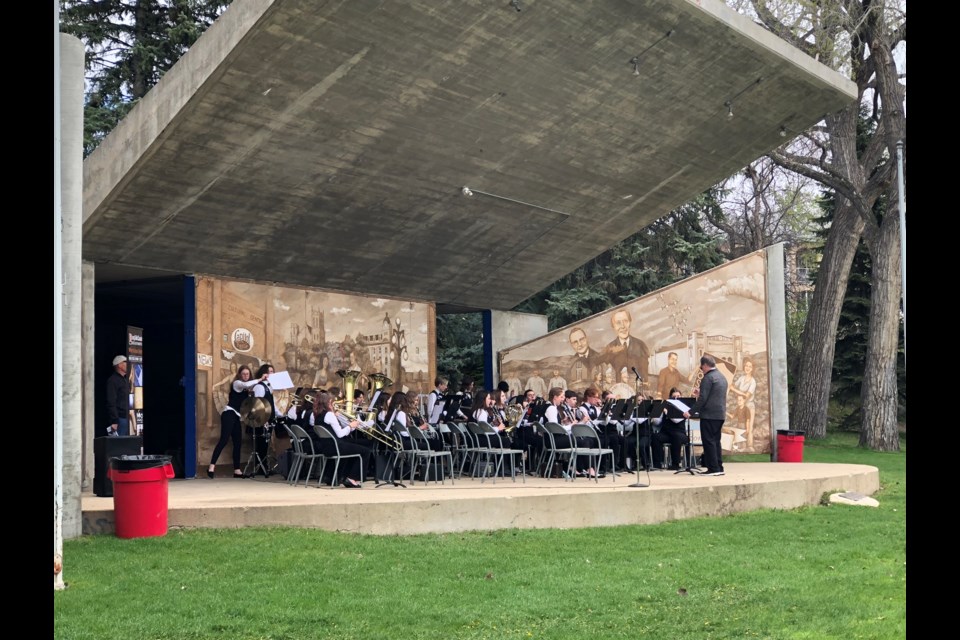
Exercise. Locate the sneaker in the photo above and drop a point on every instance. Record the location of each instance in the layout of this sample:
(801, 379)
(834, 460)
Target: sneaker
(714, 473)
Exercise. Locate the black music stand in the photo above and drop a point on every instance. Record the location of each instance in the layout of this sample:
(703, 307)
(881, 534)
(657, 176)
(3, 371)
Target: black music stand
(638, 411)
(690, 465)
(391, 458)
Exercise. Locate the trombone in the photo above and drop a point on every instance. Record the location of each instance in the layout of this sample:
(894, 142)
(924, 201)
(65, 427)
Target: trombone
(366, 428)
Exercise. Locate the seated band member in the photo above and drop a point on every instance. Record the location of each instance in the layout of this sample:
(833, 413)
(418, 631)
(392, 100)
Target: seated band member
(483, 411)
(610, 436)
(418, 421)
(349, 469)
(673, 431)
(398, 419)
(570, 415)
(644, 428)
(525, 436)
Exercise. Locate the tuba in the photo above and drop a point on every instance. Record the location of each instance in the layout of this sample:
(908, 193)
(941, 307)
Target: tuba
(380, 380)
(349, 384)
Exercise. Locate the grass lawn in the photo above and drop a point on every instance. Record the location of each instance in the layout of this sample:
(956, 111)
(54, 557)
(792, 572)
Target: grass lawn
(818, 573)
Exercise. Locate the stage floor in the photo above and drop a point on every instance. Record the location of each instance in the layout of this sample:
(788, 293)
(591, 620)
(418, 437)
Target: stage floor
(469, 504)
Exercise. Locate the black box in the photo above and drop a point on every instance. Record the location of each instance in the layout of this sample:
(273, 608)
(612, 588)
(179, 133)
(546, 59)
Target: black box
(107, 447)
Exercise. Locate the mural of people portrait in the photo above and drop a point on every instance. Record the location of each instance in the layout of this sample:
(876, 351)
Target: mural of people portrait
(325, 376)
(625, 350)
(744, 387)
(721, 312)
(585, 368)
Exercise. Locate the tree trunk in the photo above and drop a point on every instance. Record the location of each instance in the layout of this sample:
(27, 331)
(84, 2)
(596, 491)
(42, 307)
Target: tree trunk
(809, 410)
(878, 430)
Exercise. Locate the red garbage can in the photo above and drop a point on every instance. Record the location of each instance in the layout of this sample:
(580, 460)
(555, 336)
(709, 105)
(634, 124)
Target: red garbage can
(790, 446)
(140, 495)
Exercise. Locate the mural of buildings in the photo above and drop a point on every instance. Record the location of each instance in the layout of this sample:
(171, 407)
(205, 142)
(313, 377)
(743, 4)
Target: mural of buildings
(663, 335)
(309, 334)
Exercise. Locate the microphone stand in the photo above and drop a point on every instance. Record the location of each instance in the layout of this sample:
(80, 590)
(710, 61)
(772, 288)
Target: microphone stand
(636, 461)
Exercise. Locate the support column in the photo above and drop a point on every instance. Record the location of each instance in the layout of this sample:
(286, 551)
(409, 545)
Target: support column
(71, 239)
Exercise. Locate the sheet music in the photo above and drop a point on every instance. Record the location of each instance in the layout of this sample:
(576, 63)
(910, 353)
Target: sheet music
(373, 400)
(679, 405)
(280, 380)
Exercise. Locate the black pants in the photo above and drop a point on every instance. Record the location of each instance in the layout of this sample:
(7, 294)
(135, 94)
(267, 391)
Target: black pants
(674, 434)
(229, 428)
(349, 467)
(710, 434)
(648, 445)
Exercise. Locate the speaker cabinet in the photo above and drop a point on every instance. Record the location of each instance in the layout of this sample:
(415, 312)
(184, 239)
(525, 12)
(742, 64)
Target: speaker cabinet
(107, 447)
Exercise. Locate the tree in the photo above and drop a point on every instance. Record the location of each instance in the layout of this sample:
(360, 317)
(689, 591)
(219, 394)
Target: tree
(762, 205)
(672, 248)
(129, 45)
(858, 37)
(459, 352)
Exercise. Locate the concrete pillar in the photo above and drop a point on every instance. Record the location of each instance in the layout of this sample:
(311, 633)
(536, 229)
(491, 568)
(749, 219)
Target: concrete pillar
(89, 431)
(71, 239)
(777, 344)
(508, 329)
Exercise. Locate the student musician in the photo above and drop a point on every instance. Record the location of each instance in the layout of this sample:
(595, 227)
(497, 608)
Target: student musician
(673, 431)
(264, 390)
(398, 419)
(416, 420)
(349, 469)
(643, 428)
(435, 396)
(610, 436)
(571, 413)
(525, 435)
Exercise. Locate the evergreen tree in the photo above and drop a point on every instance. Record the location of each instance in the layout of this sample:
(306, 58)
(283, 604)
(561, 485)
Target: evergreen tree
(460, 347)
(670, 249)
(129, 45)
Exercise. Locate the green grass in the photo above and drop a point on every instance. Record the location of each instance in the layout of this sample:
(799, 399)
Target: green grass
(822, 572)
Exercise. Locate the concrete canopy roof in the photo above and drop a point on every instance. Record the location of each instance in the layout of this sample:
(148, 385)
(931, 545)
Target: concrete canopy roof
(326, 144)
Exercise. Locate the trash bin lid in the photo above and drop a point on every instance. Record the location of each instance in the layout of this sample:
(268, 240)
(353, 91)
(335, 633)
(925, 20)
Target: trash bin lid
(790, 433)
(135, 463)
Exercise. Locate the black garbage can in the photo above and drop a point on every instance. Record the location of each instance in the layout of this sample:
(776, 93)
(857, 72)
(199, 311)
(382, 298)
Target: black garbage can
(140, 495)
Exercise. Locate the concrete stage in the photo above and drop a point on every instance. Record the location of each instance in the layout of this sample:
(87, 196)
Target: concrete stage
(469, 504)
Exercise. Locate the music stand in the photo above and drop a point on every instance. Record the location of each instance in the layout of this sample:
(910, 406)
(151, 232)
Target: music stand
(675, 411)
(391, 458)
(641, 410)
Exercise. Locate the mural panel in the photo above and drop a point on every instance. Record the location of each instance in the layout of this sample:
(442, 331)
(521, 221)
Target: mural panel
(662, 336)
(311, 335)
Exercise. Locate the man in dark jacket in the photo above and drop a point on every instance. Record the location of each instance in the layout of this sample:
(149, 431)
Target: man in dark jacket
(711, 406)
(118, 399)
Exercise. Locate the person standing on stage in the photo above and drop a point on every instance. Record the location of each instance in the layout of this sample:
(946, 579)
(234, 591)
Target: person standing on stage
(711, 406)
(264, 390)
(434, 396)
(230, 420)
(118, 399)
